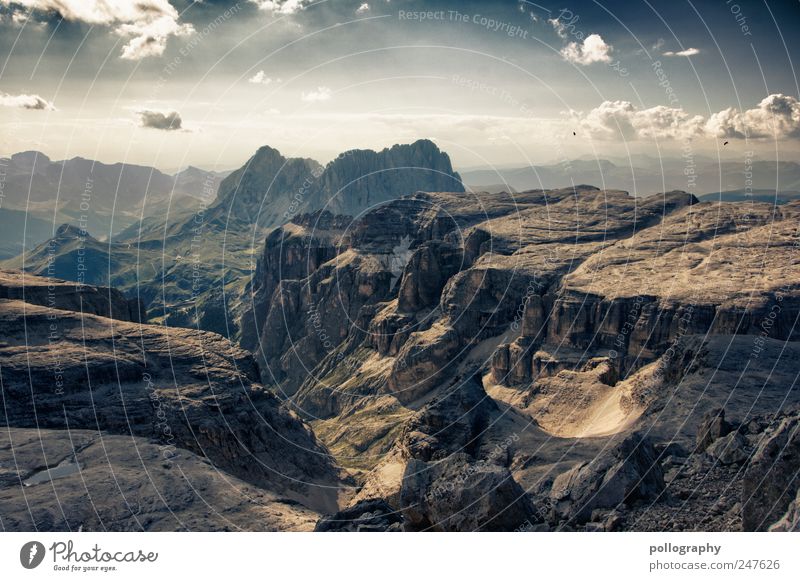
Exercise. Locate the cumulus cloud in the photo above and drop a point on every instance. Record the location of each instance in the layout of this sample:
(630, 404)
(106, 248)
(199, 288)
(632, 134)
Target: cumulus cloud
(156, 120)
(363, 9)
(621, 119)
(592, 50)
(776, 116)
(320, 94)
(686, 52)
(147, 24)
(282, 6)
(26, 102)
(260, 78)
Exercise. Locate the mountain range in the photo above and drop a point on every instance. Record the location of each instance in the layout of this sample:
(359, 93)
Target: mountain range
(101, 198)
(191, 267)
(643, 175)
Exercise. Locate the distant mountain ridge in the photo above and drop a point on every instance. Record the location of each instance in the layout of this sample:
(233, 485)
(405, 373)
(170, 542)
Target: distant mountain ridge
(644, 175)
(103, 198)
(270, 189)
(191, 267)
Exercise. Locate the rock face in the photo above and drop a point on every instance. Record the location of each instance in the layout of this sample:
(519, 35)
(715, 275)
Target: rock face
(712, 428)
(371, 516)
(266, 188)
(182, 389)
(61, 294)
(627, 473)
(459, 495)
(104, 482)
(575, 315)
(771, 482)
(361, 179)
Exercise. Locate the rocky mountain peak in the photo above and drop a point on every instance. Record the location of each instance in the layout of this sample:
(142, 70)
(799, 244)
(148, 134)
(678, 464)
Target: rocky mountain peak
(362, 178)
(69, 231)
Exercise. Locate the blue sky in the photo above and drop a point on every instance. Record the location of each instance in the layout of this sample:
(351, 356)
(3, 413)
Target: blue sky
(493, 82)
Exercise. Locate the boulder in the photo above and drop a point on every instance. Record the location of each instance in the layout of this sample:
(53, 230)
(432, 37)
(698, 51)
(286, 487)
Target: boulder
(620, 475)
(712, 426)
(371, 515)
(771, 480)
(461, 494)
(730, 449)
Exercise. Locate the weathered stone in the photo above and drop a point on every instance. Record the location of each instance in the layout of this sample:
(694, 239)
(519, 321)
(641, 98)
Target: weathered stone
(624, 474)
(372, 515)
(458, 494)
(770, 481)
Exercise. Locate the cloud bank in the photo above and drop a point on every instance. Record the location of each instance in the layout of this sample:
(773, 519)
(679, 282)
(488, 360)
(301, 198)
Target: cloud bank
(147, 24)
(282, 6)
(776, 116)
(25, 102)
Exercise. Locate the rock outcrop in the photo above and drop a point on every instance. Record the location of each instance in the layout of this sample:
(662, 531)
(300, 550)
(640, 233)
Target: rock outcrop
(182, 389)
(628, 472)
(60, 294)
(582, 314)
(771, 482)
(88, 481)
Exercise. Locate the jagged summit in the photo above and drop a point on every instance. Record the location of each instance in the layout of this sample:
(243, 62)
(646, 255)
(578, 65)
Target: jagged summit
(362, 178)
(270, 189)
(68, 230)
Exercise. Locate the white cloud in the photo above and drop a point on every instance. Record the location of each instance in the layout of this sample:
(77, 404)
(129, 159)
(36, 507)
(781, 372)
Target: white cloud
(686, 52)
(25, 102)
(592, 50)
(622, 120)
(775, 116)
(260, 79)
(363, 9)
(170, 121)
(146, 23)
(282, 6)
(320, 94)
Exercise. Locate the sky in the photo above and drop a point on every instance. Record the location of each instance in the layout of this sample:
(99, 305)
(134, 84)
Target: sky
(503, 83)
